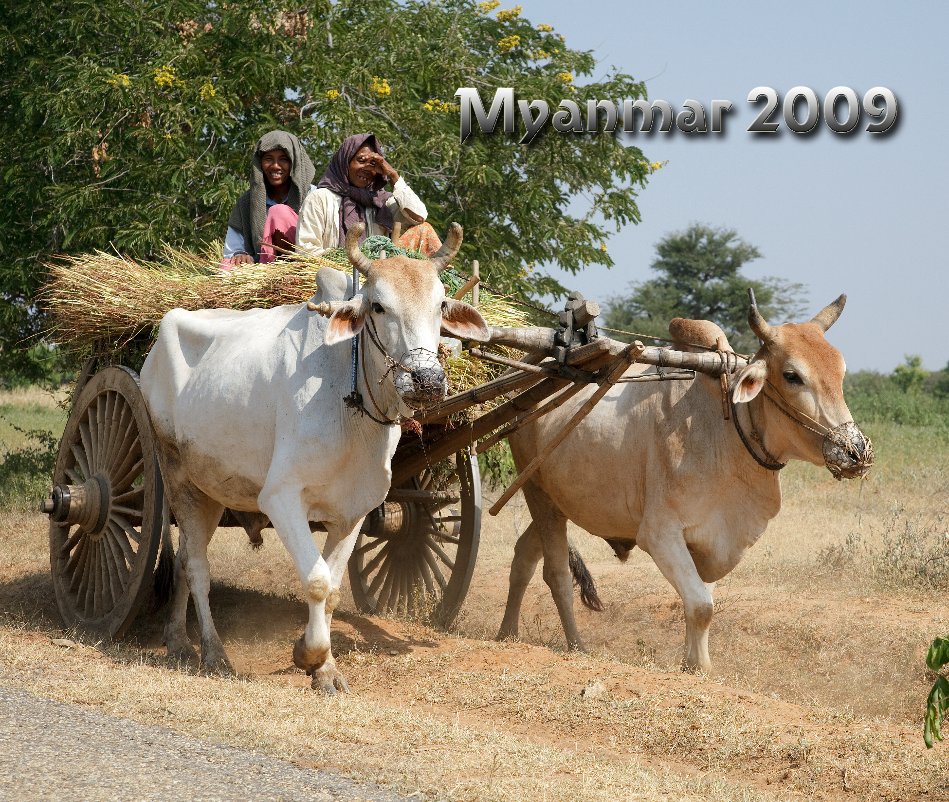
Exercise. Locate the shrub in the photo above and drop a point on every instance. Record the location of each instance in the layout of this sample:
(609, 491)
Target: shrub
(25, 472)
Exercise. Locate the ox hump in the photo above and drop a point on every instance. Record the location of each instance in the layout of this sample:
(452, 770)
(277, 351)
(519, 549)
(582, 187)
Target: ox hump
(696, 335)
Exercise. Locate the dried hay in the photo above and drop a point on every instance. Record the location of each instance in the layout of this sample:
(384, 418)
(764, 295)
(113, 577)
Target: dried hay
(106, 301)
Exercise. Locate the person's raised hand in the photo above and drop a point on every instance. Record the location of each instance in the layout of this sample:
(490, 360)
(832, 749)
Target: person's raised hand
(383, 168)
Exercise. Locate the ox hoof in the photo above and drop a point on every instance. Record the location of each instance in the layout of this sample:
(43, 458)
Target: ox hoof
(329, 681)
(690, 667)
(183, 656)
(216, 663)
(307, 659)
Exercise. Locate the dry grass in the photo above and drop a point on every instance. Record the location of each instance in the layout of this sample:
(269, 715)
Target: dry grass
(402, 743)
(817, 688)
(104, 300)
(458, 718)
(33, 396)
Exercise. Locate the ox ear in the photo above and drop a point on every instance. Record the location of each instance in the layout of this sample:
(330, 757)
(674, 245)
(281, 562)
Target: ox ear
(346, 321)
(750, 381)
(463, 321)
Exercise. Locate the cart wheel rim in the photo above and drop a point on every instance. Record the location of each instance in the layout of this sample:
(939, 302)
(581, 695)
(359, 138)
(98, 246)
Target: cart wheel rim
(416, 554)
(103, 551)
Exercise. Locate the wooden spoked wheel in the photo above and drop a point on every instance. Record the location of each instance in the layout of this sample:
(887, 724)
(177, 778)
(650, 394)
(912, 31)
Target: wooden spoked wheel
(106, 509)
(416, 554)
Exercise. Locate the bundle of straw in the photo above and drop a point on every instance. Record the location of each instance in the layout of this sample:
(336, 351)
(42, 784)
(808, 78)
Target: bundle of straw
(105, 300)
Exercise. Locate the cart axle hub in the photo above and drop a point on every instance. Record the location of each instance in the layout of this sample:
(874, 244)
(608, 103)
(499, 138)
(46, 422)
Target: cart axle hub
(86, 504)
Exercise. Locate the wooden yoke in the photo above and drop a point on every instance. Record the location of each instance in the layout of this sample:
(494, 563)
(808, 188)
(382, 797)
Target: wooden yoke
(540, 339)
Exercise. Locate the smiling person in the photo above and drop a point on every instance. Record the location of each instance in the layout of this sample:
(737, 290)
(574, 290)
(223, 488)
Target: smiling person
(352, 190)
(264, 220)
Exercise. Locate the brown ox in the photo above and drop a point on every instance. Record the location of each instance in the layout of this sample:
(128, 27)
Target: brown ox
(656, 465)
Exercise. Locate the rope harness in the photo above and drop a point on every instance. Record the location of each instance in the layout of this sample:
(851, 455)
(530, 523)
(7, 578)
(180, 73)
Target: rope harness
(769, 461)
(838, 444)
(416, 356)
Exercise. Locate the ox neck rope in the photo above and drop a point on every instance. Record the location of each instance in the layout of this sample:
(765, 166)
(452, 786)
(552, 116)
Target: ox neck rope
(769, 461)
(784, 406)
(354, 399)
(357, 402)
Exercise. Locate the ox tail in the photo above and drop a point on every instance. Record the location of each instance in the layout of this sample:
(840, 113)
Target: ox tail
(164, 572)
(583, 579)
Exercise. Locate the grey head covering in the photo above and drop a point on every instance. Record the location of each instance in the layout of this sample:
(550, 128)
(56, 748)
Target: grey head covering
(250, 212)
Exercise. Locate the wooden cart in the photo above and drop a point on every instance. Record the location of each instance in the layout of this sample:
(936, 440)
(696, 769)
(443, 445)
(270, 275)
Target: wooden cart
(109, 518)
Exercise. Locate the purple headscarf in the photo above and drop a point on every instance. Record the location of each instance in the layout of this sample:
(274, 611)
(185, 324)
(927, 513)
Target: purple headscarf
(355, 200)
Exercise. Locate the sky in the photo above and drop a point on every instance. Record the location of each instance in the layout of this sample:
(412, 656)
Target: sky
(861, 214)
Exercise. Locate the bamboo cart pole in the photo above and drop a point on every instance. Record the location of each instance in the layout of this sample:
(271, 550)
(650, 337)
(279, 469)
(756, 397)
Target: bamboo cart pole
(468, 433)
(558, 400)
(588, 357)
(629, 355)
(508, 383)
(470, 285)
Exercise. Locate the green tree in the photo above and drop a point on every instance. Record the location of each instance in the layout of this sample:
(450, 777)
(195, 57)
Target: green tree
(940, 382)
(128, 123)
(700, 278)
(911, 375)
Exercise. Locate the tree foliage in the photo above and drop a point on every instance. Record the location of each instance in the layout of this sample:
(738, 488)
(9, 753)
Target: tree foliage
(700, 278)
(127, 123)
(910, 396)
(911, 375)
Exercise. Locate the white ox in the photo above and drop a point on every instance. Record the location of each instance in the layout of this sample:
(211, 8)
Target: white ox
(655, 465)
(248, 408)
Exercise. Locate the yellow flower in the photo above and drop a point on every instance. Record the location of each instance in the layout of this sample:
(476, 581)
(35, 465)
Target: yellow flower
(565, 77)
(488, 6)
(541, 54)
(545, 28)
(603, 247)
(380, 86)
(119, 79)
(166, 76)
(332, 94)
(207, 91)
(509, 14)
(508, 43)
(435, 104)
(655, 166)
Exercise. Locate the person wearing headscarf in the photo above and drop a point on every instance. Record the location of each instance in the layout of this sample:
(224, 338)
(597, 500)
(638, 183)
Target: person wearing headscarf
(264, 220)
(352, 190)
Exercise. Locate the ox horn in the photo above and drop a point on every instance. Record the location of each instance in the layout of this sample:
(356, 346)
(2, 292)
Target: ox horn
(449, 248)
(829, 314)
(755, 319)
(357, 258)
(326, 308)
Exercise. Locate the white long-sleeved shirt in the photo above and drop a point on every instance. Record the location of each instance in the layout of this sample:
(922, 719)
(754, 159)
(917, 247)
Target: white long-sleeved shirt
(318, 226)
